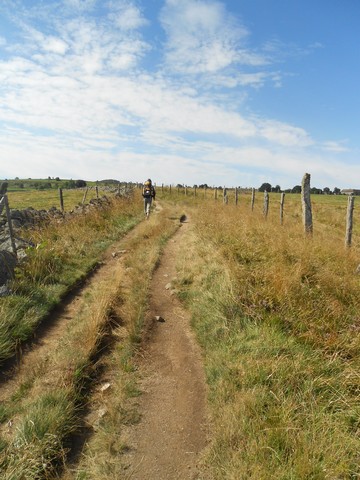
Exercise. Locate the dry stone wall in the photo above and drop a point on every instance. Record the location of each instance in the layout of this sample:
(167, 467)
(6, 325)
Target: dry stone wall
(28, 218)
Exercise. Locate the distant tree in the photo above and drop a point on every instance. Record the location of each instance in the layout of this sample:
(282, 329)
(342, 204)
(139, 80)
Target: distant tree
(296, 189)
(265, 187)
(336, 191)
(80, 183)
(276, 189)
(69, 184)
(327, 191)
(57, 179)
(316, 191)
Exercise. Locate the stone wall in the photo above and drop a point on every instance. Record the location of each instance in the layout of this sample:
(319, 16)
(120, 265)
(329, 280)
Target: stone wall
(28, 218)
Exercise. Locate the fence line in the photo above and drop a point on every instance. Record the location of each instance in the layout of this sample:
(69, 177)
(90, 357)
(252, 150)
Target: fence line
(305, 204)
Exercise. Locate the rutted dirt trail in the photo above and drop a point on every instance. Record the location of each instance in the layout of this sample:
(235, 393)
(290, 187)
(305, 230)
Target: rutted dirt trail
(167, 442)
(172, 432)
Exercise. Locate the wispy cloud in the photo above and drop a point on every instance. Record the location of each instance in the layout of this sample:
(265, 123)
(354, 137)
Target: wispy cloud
(204, 38)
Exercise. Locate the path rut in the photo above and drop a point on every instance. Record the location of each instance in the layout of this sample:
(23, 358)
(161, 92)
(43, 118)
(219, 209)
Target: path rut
(168, 441)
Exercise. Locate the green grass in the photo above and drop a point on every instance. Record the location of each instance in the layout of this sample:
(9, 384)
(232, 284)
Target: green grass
(47, 406)
(63, 256)
(276, 316)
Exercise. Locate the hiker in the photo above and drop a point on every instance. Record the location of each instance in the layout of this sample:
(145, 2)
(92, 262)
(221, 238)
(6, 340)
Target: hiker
(148, 193)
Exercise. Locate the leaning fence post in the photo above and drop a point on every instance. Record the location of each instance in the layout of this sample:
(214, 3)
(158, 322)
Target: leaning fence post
(266, 204)
(11, 231)
(282, 200)
(61, 199)
(306, 204)
(252, 198)
(349, 220)
(86, 192)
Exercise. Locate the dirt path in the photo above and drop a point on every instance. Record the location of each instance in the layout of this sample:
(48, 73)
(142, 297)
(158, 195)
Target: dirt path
(52, 331)
(169, 439)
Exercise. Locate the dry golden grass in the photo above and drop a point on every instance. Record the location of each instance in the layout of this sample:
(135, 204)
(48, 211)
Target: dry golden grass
(277, 316)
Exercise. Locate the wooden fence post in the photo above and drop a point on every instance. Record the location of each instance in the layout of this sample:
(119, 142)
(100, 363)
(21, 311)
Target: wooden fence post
(252, 198)
(195, 191)
(306, 204)
(349, 221)
(225, 196)
(266, 204)
(86, 192)
(97, 191)
(61, 199)
(204, 192)
(170, 189)
(282, 201)
(215, 193)
(236, 196)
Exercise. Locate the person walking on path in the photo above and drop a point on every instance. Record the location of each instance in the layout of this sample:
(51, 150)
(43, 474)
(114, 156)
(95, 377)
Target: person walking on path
(148, 193)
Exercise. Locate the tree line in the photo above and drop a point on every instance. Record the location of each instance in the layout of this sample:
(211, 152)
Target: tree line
(267, 187)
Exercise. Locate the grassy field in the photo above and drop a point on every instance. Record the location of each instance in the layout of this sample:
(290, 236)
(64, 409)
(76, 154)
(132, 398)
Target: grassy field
(275, 312)
(277, 315)
(46, 199)
(44, 193)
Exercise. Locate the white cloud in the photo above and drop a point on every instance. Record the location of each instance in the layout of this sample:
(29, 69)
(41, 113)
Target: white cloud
(335, 147)
(203, 37)
(126, 15)
(80, 5)
(284, 134)
(55, 45)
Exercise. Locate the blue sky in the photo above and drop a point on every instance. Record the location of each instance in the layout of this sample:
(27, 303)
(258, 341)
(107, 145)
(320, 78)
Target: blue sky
(183, 91)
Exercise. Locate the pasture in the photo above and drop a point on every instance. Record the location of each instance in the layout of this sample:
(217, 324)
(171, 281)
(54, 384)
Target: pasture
(275, 312)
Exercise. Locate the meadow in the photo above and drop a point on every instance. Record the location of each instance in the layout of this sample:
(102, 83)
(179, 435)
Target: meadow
(276, 313)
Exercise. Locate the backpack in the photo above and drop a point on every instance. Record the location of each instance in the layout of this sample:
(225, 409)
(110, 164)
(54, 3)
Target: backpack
(147, 191)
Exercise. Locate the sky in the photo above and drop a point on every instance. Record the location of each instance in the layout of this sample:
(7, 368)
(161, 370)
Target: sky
(223, 92)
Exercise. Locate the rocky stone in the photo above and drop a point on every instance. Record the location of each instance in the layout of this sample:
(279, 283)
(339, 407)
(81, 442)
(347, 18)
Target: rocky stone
(7, 266)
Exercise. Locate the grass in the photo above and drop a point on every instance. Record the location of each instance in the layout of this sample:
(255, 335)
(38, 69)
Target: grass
(47, 407)
(276, 315)
(64, 254)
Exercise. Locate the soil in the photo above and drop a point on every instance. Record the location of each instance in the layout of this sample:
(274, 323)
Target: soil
(172, 433)
(169, 439)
